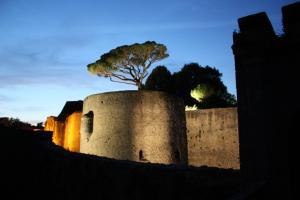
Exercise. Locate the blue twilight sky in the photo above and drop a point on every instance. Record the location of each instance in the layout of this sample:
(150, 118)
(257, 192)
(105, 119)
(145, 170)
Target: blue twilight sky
(45, 45)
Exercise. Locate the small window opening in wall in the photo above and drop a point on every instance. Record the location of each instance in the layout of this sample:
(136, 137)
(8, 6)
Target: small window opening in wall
(141, 156)
(87, 124)
(90, 121)
(177, 156)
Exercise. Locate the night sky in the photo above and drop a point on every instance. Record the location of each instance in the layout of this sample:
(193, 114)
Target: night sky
(46, 45)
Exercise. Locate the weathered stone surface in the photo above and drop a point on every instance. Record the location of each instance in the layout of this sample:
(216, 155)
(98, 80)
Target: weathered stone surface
(72, 132)
(58, 133)
(135, 125)
(49, 124)
(66, 127)
(213, 138)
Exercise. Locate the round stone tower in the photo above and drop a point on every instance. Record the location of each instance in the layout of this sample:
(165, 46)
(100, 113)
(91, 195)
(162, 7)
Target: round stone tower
(144, 126)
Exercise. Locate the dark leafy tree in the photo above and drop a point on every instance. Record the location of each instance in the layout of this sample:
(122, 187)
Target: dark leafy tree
(15, 122)
(187, 79)
(196, 85)
(160, 79)
(39, 125)
(207, 80)
(217, 101)
(129, 63)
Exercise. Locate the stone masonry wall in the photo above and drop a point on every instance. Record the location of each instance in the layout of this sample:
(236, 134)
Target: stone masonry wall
(212, 136)
(144, 126)
(65, 133)
(72, 132)
(49, 124)
(58, 133)
(145, 129)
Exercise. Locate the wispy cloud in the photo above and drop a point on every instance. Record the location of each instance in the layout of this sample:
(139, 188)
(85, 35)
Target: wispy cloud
(158, 27)
(4, 98)
(50, 50)
(57, 59)
(50, 60)
(63, 77)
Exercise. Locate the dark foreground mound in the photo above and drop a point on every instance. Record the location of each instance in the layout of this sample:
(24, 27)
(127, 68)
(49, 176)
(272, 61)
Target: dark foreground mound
(31, 166)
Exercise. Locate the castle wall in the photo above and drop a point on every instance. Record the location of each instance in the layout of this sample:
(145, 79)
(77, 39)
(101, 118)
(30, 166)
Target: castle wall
(65, 133)
(58, 133)
(72, 132)
(135, 125)
(267, 84)
(212, 136)
(49, 124)
(211, 133)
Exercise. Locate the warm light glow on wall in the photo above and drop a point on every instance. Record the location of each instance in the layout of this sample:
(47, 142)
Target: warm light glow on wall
(58, 133)
(66, 133)
(49, 124)
(72, 132)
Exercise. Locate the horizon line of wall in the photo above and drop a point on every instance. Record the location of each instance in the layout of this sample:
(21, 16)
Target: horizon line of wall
(212, 136)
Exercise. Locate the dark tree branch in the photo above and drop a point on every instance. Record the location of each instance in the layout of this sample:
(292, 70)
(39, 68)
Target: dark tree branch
(110, 78)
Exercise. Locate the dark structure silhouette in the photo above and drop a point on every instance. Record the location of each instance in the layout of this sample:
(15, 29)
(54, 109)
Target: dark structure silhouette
(266, 75)
(69, 108)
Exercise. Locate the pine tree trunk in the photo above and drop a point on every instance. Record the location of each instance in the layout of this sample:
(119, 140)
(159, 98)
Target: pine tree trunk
(139, 84)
